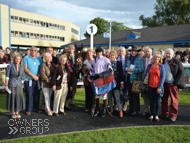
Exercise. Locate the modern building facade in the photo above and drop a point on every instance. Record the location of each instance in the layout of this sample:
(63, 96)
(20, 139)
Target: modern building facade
(24, 29)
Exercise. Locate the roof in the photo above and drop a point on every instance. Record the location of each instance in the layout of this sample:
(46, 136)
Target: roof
(153, 35)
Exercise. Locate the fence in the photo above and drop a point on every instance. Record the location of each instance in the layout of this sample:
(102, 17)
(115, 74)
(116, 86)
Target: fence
(80, 81)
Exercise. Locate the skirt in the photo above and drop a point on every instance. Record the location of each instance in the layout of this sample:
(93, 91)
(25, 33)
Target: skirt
(15, 100)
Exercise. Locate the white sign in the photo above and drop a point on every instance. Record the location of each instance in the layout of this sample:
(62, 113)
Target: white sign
(107, 28)
(107, 24)
(106, 35)
(91, 29)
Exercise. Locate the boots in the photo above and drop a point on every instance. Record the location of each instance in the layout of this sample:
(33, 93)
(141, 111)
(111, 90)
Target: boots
(93, 110)
(104, 111)
(97, 110)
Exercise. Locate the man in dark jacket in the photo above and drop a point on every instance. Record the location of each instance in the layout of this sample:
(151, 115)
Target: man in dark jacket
(174, 80)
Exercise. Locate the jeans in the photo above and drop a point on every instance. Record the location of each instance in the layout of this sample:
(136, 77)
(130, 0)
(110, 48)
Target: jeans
(154, 98)
(116, 94)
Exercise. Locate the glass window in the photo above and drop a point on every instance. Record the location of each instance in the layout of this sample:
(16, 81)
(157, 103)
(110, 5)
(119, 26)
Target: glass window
(20, 19)
(31, 21)
(12, 18)
(35, 35)
(31, 35)
(34, 22)
(16, 33)
(24, 34)
(58, 38)
(16, 18)
(47, 24)
(62, 39)
(38, 23)
(27, 20)
(50, 37)
(53, 38)
(24, 20)
(20, 34)
(28, 35)
(12, 33)
(38, 36)
(58, 26)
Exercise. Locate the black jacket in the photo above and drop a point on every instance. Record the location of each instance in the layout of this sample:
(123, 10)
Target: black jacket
(118, 75)
(177, 71)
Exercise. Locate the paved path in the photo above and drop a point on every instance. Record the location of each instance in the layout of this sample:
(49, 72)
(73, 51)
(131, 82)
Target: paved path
(77, 120)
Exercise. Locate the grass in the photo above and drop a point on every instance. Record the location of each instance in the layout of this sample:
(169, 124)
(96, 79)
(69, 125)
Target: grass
(184, 98)
(162, 134)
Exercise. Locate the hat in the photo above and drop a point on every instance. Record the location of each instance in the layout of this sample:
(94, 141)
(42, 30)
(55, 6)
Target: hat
(133, 48)
(99, 49)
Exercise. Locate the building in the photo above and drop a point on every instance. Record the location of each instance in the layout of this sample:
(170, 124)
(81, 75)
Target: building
(24, 29)
(166, 37)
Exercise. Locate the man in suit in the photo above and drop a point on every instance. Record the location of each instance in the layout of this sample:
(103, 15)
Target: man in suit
(146, 61)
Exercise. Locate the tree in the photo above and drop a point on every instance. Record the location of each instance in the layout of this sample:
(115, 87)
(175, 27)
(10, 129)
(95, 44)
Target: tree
(168, 12)
(100, 23)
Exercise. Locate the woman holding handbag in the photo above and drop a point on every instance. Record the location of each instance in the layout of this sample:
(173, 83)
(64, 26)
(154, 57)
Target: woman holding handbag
(156, 80)
(14, 87)
(46, 74)
(134, 68)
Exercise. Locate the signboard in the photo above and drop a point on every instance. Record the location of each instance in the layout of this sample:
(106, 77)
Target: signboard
(91, 29)
(106, 35)
(187, 74)
(107, 24)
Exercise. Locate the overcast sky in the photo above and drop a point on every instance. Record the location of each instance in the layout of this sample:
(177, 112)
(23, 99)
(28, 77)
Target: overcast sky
(80, 12)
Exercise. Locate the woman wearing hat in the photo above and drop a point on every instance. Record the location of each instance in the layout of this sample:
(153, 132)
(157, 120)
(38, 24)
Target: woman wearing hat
(134, 69)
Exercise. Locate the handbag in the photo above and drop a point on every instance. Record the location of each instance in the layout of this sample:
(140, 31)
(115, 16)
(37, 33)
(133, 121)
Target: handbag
(142, 86)
(136, 86)
(146, 79)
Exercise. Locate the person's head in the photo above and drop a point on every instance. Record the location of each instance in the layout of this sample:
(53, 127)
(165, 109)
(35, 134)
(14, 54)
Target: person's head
(108, 53)
(187, 50)
(90, 53)
(160, 49)
(113, 55)
(141, 53)
(174, 49)
(33, 51)
(1, 48)
(134, 51)
(50, 50)
(17, 59)
(186, 59)
(38, 54)
(72, 49)
(27, 52)
(47, 57)
(8, 50)
(15, 53)
(66, 47)
(179, 49)
(148, 52)
(157, 58)
(1, 54)
(99, 51)
(66, 52)
(142, 47)
(63, 59)
(54, 53)
(121, 51)
(169, 54)
(178, 57)
(18, 50)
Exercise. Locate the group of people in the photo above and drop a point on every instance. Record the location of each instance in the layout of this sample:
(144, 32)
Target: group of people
(58, 80)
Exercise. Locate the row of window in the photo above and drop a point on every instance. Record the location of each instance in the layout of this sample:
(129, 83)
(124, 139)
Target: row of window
(74, 31)
(36, 36)
(37, 22)
(73, 40)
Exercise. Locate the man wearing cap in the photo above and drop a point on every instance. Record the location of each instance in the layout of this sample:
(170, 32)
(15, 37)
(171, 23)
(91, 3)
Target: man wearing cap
(179, 52)
(134, 68)
(99, 65)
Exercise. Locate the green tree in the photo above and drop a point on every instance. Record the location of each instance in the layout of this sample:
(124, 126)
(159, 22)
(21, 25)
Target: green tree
(100, 23)
(168, 12)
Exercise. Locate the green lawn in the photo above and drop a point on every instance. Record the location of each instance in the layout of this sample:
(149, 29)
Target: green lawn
(184, 98)
(167, 134)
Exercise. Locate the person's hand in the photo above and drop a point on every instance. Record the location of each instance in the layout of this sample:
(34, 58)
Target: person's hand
(159, 91)
(89, 70)
(54, 87)
(71, 88)
(70, 70)
(6, 87)
(90, 80)
(129, 69)
(122, 85)
(36, 77)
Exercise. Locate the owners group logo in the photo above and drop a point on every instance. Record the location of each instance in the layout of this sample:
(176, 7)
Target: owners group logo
(31, 126)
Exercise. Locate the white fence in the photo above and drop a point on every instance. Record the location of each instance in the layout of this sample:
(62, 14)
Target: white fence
(80, 82)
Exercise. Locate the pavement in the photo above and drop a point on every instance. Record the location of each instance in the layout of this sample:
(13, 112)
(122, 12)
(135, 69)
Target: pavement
(77, 120)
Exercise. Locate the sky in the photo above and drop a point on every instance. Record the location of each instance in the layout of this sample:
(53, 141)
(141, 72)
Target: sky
(81, 12)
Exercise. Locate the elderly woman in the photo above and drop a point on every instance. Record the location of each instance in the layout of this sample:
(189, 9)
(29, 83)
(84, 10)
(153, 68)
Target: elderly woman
(134, 68)
(14, 85)
(46, 74)
(89, 94)
(156, 80)
(118, 75)
(60, 85)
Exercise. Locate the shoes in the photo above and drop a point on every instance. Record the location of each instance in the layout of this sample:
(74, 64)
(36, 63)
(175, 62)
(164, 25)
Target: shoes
(67, 108)
(92, 111)
(157, 119)
(111, 111)
(151, 118)
(63, 113)
(28, 113)
(134, 113)
(49, 113)
(13, 116)
(56, 114)
(104, 111)
(39, 111)
(86, 110)
(97, 110)
(173, 119)
(121, 115)
(18, 116)
(145, 114)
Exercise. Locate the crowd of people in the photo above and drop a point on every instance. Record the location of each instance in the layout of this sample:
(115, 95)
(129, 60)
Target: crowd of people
(57, 78)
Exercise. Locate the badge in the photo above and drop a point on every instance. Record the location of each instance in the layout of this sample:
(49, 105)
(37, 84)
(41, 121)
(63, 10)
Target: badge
(34, 63)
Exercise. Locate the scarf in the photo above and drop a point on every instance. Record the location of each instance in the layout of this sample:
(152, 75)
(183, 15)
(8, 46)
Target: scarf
(132, 59)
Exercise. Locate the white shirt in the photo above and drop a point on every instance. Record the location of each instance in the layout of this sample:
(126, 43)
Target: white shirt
(86, 62)
(149, 62)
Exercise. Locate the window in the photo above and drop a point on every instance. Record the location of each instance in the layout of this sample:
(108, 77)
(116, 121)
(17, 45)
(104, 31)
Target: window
(38, 36)
(24, 34)
(50, 25)
(42, 36)
(27, 35)
(31, 21)
(58, 27)
(27, 21)
(62, 27)
(41, 23)
(34, 22)
(38, 23)
(74, 31)
(12, 18)
(35, 35)
(20, 34)
(20, 19)
(53, 25)
(62, 38)
(73, 40)
(58, 38)
(47, 24)
(53, 38)
(16, 18)
(31, 35)
(16, 33)
(12, 33)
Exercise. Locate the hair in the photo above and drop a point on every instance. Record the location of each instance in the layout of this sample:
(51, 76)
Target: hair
(71, 47)
(62, 56)
(170, 50)
(44, 57)
(141, 52)
(27, 49)
(147, 48)
(2, 52)
(16, 52)
(90, 50)
(8, 48)
(157, 54)
(18, 55)
(33, 47)
(121, 48)
(1, 48)
(114, 53)
(65, 51)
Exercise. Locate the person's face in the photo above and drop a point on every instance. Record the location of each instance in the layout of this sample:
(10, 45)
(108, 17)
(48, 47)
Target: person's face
(28, 52)
(187, 50)
(8, 51)
(1, 55)
(160, 49)
(107, 52)
(48, 58)
(50, 50)
(169, 55)
(156, 59)
(33, 52)
(148, 53)
(121, 53)
(112, 57)
(179, 50)
(185, 58)
(133, 53)
(142, 54)
(99, 54)
(178, 57)
(63, 61)
(90, 54)
(54, 52)
(17, 60)
(142, 48)
(67, 54)
(72, 51)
